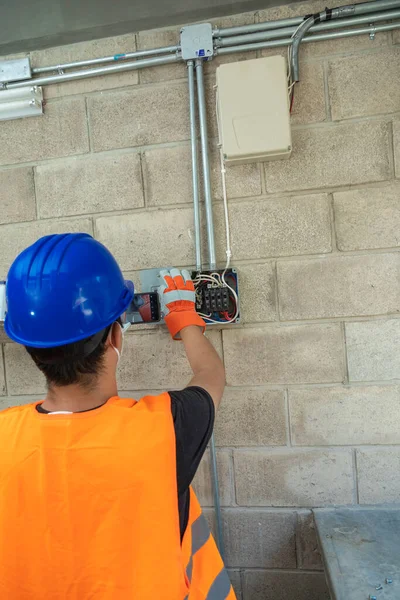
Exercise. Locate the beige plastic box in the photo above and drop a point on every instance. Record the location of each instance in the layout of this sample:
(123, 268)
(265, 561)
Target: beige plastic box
(253, 110)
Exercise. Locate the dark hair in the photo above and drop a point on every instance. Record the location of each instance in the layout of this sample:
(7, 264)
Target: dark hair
(77, 363)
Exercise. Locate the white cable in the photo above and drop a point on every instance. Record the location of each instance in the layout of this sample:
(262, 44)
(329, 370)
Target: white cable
(217, 276)
(228, 235)
(290, 90)
(226, 212)
(208, 278)
(226, 215)
(224, 192)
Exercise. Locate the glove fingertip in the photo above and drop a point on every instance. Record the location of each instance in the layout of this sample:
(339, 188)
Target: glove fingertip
(186, 275)
(164, 273)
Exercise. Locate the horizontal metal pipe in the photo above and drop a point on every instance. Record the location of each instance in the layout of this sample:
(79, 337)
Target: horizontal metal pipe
(321, 37)
(359, 9)
(387, 15)
(123, 66)
(289, 31)
(169, 59)
(107, 59)
(254, 27)
(367, 7)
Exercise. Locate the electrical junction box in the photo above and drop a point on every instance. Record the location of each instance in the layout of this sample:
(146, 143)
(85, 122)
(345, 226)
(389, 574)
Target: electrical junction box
(197, 42)
(217, 296)
(253, 110)
(217, 293)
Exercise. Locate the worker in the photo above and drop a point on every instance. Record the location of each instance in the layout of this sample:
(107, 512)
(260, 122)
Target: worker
(95, 490)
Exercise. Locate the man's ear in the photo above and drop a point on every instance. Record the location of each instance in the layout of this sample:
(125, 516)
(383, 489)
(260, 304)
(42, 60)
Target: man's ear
(115, 336)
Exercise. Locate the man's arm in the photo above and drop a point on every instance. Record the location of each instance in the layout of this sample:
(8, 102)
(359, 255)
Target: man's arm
(208, 369)
(178, 302)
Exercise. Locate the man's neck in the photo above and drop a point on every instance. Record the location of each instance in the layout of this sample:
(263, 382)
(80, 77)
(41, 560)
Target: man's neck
(74, 398)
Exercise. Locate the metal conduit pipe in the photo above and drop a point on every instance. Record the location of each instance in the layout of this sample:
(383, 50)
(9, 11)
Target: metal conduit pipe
(205, 162)
(217, 502)
(106, 59)
(297, 37)
(387, 15)
(325, 15)
(357, 9)
(195, 166)
(174, 56)
(126, 66)
(212, 264)
(84, 74)
(255, 27)
(289, 31)
(367, 7)
(309, 38)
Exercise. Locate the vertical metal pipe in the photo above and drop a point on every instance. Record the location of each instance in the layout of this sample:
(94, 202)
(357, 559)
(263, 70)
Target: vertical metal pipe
(217, 503)
(195, 166)
(212, 265)
(206, 163)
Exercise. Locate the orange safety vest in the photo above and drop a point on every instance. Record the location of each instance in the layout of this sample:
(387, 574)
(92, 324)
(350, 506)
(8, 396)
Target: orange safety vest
(88, 508)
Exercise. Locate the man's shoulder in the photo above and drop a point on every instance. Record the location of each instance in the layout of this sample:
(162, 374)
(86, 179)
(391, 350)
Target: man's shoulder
(153, 401)
(14, 412)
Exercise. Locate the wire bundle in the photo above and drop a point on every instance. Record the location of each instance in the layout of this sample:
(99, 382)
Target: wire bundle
(217, 280)
(291, 84)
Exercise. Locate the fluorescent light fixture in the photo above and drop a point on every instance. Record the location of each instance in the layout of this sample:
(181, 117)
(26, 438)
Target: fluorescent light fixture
(21, 102)
(2, 300)
(17, 69)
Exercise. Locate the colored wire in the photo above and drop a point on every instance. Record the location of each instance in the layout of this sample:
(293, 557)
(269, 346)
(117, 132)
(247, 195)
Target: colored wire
(205, 279)
(291, 84)
(292, 101)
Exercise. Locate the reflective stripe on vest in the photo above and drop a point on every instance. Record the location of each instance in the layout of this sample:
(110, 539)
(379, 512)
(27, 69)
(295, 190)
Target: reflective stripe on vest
(200, 535)
(200, 548)
(221, 587)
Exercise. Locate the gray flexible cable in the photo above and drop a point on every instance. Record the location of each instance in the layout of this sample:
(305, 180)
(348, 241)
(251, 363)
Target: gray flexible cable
(298, 36)
(325, 15)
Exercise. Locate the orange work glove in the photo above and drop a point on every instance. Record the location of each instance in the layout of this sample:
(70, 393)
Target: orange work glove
(178, 302)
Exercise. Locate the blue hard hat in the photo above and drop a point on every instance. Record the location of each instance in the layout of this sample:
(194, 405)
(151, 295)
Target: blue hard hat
(62, 289)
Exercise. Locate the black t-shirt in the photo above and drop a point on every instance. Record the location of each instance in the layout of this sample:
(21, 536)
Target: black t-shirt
(193, 414)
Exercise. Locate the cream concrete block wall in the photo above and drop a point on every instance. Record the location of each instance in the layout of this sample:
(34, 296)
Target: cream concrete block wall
(314, 369)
